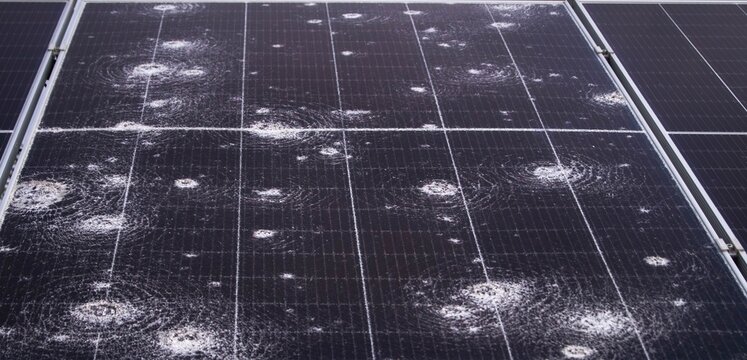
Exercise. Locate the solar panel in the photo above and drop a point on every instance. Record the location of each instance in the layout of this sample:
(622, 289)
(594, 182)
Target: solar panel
(27, 31)
(330, 181)
(688, 62)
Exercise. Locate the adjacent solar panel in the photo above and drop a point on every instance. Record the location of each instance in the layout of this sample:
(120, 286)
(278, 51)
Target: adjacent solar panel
(25, 32)
(689, 63)
(351, 181)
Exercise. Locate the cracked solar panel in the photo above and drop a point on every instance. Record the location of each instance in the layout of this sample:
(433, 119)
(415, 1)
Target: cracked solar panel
(688, 62)
(310, 180)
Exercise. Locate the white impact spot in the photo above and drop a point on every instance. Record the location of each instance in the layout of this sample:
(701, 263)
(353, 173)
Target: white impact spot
(164, 7)
(502, 25)
(269, 192)
(264, 233)
(657, 261)
(352, 16)
(439, 188)
(577, 352)
(494, 294)
(278, 46)
(262, 111)
(446, 218)
(329, 151)
(149, 69)
(273, 130)
(287, 276)
(158, 103)
(430, 30)
(475, 71)
(679, 302)
(346, 53)
(302, 157)
(613, 98)
(188, 341)
(38, 195)
(102, 223)
(129, 125)
(418, 89)
(192, 72)
(314, 21)
(429, 126)
(177, 44)
(101, 285)
(552, 173)
(444, 45)
(455, 241)
(114, 181)
(60, 338)
(413, 12)
(103, 312)
(602, 323)
(357, 112)
(456, 312)
(186, 183)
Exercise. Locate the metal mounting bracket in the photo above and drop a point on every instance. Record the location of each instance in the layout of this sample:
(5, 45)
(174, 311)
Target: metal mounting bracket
(602, 51)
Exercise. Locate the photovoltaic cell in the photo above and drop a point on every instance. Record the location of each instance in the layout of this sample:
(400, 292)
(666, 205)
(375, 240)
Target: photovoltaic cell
(288, 58)
(110, 57)
(719, 162)
(26, 30)
(570, 89)
(682, 88)
(472, 72)
(688, 61)
(191, 199)
(382, 80)
(4, 138)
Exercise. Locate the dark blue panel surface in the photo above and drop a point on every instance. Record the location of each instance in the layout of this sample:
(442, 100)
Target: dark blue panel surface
(688, 60)
(718, 32)
(289, 60)
(383, 82)
(682, 87)
(475, 79)
(26, 30)
(333, 217)
(720, 163)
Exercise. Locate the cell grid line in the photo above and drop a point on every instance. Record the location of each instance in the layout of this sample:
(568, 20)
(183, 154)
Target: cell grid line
(704, 58)
(350, 189)
(300, 130)
(238, 207)
(458, 180)
(573, 193)
(129, 175)
(737, 133)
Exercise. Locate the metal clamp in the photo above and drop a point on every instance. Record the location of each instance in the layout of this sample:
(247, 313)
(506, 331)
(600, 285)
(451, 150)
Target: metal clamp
(602, 51)
(56, 51)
